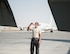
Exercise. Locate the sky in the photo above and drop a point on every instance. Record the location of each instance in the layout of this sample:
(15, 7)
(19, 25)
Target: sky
(27, 11)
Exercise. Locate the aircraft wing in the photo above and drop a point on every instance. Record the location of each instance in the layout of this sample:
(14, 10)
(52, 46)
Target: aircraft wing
(61, 13)
(6, 14)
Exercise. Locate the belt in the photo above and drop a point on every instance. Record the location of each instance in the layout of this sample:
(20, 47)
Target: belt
(36, 38)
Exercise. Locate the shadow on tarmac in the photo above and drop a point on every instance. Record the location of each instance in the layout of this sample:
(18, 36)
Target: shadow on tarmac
(57, 40)
(68, 51)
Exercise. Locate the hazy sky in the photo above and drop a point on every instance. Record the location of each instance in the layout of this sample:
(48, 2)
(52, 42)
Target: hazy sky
(27, 11)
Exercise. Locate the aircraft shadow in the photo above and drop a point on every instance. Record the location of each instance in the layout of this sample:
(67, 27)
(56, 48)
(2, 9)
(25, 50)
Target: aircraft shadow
(57, 40)
(68, 51)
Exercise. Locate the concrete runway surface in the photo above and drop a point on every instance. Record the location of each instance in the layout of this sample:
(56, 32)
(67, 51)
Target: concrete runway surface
(18, 42)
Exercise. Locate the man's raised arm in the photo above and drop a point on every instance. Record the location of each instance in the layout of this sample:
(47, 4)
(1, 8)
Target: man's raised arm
(29, 27)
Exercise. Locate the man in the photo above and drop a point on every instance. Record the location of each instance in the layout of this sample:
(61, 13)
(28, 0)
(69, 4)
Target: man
(36, 37)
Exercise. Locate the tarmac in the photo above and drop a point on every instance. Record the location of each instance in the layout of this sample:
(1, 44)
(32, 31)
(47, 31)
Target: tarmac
(18, 42)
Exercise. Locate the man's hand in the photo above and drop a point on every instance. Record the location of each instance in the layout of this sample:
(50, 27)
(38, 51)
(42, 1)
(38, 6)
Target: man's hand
(39, 41)
(31, 23)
